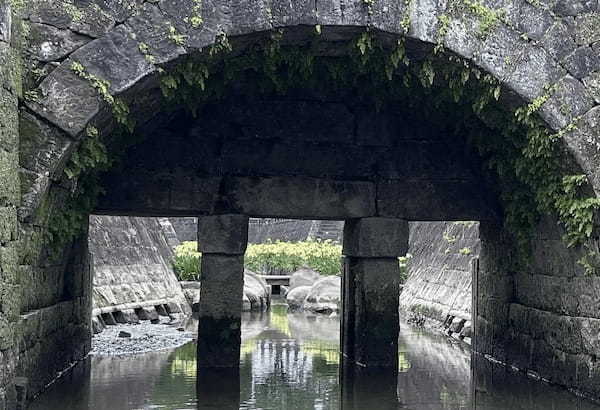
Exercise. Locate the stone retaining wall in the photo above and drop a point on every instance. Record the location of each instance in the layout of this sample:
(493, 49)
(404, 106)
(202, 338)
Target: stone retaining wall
(132, 264)
(438, 289)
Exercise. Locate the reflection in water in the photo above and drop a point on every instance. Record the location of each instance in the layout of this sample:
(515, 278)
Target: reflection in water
(291, 361)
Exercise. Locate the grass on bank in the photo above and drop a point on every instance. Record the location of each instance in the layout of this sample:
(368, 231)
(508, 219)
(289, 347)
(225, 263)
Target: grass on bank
(275, 257)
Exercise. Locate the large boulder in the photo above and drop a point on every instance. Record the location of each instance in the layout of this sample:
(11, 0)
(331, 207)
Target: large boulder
(191, 290)
(256, 292)
(325, 296)
(304, 276)
(295, 297)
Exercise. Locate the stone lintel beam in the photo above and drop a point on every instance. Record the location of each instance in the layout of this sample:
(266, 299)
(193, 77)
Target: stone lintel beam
(224, 234)
(375, 237)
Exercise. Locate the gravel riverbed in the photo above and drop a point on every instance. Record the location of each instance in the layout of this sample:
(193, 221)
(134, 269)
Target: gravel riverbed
(145, 337)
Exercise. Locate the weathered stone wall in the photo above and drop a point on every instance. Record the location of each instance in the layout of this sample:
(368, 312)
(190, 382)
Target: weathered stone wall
(439, 281)
(552, 316)
(132, 264)
(9, 200)
(263, 230)
(185, 228)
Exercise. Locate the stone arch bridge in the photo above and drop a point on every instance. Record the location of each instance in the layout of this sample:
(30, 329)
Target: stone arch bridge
(374, 112)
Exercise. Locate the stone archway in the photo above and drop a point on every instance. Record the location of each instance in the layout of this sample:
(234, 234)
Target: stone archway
(133, 45)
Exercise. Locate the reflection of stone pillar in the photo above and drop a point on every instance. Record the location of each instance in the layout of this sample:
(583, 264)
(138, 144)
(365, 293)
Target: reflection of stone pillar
(218, 389)
(368, 388)
(222, 240)
(371, 287)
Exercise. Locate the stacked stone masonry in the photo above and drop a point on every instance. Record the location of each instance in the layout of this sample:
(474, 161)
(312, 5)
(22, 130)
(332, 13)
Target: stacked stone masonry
(539, 46)
(10, 86)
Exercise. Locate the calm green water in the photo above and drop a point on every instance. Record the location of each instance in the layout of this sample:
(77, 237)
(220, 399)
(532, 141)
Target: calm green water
(291, 361)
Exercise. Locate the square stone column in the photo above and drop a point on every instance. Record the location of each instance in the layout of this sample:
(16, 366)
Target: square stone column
(370, 291)
(222, 240)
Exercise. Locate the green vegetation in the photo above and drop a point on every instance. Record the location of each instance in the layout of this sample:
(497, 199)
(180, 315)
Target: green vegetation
(186, 263)
(321, 256)
(404, 262)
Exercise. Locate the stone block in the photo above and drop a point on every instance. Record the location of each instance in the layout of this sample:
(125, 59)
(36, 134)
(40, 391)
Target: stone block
(173, 308)
(559, 41)
(109, 319)
(587, 27)
(375, 237)
(334, 12)
(467, 330)
(161, 310)
(570, 100)
(5, 22)
(9, 132)
(296, 197)
(592, 82)
(151, 194)
(582, 62)
(89, 19)
(497, 55)
(225, 234)
(582, 143)
(460, 37)
(526, 18)
(222, 285)
(220, 309)
(534, 60)
(152, 29)
(493, 309)
(146, 313)
(49, 43)
(295, 12)
(249, 16)
(573, 7)
(8, 224)
(97, 325)
(66, 100)
(273, 158)
(370, 288)
(424, 23)
(104, 59)
(216, 19)
(457, 324)
(435, 200)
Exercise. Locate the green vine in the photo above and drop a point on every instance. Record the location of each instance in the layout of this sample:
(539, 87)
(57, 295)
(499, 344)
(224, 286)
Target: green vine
(488, 18)
(405, 22)
(119, 107)
(70, 221)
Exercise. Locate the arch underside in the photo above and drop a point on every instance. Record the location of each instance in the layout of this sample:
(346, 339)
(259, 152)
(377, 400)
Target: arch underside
(241, 165)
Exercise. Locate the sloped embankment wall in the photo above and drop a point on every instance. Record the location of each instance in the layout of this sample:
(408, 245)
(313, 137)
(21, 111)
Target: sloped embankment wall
(132, 264)
(439, 284)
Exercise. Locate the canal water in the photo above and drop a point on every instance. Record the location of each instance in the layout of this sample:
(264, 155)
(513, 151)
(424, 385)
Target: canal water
(291, 361)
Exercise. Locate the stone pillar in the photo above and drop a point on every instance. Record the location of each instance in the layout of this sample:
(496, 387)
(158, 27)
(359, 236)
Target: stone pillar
(222, 240)
(218, 388)
(370, 292)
